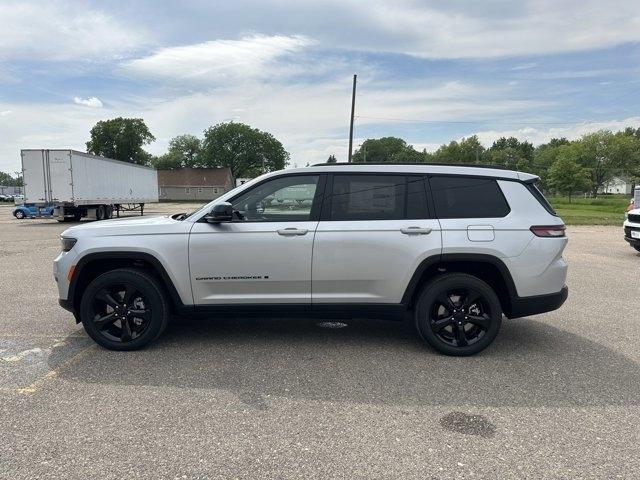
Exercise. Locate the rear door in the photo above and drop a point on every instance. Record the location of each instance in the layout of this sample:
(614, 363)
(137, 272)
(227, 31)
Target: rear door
(36, 184)
(375, 230)
(473, 213)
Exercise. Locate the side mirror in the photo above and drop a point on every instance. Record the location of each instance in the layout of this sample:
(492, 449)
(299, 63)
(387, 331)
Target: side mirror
(222, 212)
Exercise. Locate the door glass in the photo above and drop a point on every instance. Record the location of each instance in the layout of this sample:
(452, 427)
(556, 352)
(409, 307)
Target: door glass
(368, 197)
(286, 199)
(465, 197)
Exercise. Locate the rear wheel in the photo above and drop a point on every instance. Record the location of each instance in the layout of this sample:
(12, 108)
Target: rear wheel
(124, 309)
(458, 314)
(100, 212)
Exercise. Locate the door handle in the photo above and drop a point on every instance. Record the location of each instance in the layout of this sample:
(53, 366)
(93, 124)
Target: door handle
(290, 232)
(416, 231)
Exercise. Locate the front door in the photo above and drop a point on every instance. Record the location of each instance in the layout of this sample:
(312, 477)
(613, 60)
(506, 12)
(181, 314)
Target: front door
(264, 254)
(374, 232)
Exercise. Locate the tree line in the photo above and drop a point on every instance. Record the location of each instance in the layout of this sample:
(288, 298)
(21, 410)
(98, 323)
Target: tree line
(584, 165)
(246, 151)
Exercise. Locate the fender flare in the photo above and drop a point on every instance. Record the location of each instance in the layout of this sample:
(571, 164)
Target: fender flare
(127, 255)
(459, 258)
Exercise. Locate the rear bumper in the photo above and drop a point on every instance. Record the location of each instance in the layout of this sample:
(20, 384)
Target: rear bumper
(525, 306)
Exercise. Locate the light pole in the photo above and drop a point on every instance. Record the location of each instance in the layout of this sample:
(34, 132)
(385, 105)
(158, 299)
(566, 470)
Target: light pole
(353, 107)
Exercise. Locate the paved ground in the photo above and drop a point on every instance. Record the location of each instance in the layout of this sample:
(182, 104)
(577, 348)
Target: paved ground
(556, 396)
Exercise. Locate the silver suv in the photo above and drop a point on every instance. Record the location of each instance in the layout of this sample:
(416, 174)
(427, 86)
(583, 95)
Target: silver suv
(452, 247)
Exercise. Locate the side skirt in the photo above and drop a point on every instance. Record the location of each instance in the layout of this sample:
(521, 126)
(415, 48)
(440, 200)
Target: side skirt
(385, 311)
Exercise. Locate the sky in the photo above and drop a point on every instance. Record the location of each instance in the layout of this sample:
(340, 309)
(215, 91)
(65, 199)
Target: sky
(428, 71)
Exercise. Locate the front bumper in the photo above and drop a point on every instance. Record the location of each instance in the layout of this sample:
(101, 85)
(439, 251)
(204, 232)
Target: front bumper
(525, 306)
(67, 305)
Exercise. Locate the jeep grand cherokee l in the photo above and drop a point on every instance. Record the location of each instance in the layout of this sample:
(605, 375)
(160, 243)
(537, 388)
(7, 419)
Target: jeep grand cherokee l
(454, 247)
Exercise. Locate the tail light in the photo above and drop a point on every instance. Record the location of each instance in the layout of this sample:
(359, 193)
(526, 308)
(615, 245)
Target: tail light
(548, 230)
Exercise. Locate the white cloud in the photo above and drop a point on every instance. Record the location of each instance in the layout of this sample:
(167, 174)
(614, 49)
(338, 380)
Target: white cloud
(93, 102)
(56, 30)
(218, 60)
(4, 113)
(476, 30)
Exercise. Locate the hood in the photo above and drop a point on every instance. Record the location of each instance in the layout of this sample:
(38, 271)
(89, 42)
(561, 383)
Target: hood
(128, 226)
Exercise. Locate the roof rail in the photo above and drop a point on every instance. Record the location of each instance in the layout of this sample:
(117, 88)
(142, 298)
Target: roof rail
(474, 165)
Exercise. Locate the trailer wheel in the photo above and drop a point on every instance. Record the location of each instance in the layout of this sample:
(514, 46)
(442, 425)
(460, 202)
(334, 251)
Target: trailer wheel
(100, 212)
(109, 211)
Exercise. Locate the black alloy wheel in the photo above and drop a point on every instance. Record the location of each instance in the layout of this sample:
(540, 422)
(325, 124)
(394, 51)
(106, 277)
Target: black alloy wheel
(458, 314)
(124, 309)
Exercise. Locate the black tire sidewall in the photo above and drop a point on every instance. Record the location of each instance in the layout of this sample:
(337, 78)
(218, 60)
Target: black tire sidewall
(449, 282)
(19, 215)
(152, 294)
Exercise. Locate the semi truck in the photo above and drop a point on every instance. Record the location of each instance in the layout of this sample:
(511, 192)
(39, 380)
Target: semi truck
(81, 185)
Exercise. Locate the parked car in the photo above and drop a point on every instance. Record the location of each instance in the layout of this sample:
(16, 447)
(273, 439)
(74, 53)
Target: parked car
(29, 210)
(454, 247)
(3, 198)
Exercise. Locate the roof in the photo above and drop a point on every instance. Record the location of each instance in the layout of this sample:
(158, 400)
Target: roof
(458, 169)
(195, 177)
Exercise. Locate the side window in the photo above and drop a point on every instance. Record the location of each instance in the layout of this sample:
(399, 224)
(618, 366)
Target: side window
(464, 197)
(368, 197)
(278, 200)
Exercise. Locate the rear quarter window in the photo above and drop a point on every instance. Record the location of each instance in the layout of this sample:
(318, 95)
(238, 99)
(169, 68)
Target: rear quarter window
(537, 194)
(468, 197)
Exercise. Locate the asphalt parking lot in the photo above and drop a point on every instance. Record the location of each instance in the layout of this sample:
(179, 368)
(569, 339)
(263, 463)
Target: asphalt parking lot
(556, 396)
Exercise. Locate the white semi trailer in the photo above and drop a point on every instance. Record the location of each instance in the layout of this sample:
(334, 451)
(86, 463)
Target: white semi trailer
(83, 185)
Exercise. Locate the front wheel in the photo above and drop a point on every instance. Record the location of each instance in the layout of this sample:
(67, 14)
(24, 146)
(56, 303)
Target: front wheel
(124, 309)
(458, 314)
(637, 247)
(19, 214)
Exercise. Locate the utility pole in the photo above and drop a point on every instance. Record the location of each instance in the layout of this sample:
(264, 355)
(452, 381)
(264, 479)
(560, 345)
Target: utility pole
(353, 107)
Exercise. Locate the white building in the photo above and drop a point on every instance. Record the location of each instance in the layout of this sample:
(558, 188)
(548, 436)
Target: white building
(617, 185)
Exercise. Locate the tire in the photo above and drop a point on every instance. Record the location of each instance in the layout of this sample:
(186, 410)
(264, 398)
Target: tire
(468, 324)
(100, 212)
(637, 247)
(77, 217)
(109, 306)
(19, 214)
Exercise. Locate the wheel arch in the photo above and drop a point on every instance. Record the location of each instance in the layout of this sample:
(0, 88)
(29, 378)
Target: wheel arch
(94, 264)
(488, 268)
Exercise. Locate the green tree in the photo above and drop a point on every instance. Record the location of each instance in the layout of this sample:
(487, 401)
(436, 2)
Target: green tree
(605, 156)
(245, 150)
(544, 156)
(187, 148)
(9, 181)
(566, 175)
(387, 150)
(332, 159)
(467, 150)
(121, 139)
(511, 153)
(183, 151)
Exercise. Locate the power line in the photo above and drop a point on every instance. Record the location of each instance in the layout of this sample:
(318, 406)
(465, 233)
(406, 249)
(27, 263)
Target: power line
(494, 122)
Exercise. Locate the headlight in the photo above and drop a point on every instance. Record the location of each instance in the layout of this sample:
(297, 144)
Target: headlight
(67, 243)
